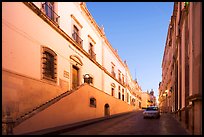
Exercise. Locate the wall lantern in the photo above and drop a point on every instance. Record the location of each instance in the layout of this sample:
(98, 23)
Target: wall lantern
(86, 76)
(164, 94)
(88, 79)
(186, 4)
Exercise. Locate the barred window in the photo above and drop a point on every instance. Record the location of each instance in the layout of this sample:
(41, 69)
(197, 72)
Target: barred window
(93, 102)
(49, 64)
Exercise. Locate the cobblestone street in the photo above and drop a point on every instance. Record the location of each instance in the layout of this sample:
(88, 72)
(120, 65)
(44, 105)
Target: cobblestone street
(132, 124)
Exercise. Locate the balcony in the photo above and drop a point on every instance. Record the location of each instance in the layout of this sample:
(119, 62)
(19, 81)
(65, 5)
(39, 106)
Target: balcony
(92, 54)
(78, 40)
(50, 13)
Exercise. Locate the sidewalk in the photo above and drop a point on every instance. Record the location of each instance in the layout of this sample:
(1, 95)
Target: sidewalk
(181, 124)
(176, 122)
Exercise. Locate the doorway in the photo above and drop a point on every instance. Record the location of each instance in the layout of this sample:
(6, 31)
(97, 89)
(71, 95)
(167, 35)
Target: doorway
(75, 77)
(106, 110)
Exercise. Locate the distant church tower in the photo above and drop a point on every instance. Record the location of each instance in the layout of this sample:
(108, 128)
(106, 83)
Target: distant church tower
(152, 92)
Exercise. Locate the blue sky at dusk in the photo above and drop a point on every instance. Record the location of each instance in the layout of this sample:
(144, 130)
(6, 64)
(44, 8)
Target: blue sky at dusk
(138, 31)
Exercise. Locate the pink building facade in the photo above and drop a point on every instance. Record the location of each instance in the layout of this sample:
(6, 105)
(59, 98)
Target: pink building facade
(181, 85)
(59, 68)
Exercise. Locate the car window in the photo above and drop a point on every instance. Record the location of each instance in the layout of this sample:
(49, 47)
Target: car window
(152, 108)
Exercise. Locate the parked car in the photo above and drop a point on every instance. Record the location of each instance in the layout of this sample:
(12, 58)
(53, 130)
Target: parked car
(151, 112)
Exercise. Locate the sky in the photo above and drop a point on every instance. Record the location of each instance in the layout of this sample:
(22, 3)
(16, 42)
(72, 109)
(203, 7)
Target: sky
(138, 30)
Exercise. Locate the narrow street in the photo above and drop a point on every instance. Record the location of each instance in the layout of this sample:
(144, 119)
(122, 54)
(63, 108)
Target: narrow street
(91, 68)
(132, 124)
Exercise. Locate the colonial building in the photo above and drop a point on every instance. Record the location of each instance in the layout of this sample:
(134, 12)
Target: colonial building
(59, 68)
(181, 85)
(148, 99)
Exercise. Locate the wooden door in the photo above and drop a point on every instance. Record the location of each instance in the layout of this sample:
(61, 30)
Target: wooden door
(75, 77)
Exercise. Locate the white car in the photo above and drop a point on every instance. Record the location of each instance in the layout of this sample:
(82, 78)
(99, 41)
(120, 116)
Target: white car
(151, 112)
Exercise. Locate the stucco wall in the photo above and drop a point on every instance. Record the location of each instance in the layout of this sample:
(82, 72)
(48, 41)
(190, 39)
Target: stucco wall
(112, 58)
(21, 94)
(23, 35)
(73, 108)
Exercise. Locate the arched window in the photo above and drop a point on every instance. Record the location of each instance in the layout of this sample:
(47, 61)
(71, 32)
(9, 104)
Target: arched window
(92, 102)
(49, 64)
(112, 91)
(106, 110)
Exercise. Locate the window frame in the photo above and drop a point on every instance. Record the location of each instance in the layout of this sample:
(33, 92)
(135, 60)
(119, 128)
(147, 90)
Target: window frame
(92, 102)
(45, 73)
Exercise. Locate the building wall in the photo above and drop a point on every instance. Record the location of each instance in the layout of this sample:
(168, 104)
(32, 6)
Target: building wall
(21, 93)
(26, 30)
(33, 40)
(145, 98)
(73, 108)
(185, 90)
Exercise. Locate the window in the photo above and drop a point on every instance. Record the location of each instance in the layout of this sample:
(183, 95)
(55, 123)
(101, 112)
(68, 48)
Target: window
(93, 102)
(123, 79)
(91, 51)
(49, 9)
(49, 65)
(113, 69)
(127, 97)
(119, 75)
(112, 72)
(133, 102)
(112, 91)
(119, 95)
(123, 97)
(76, 36)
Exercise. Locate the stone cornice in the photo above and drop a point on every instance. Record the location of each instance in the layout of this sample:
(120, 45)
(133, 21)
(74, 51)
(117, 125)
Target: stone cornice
(89, 16)
(74, 18)
(91, 39)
